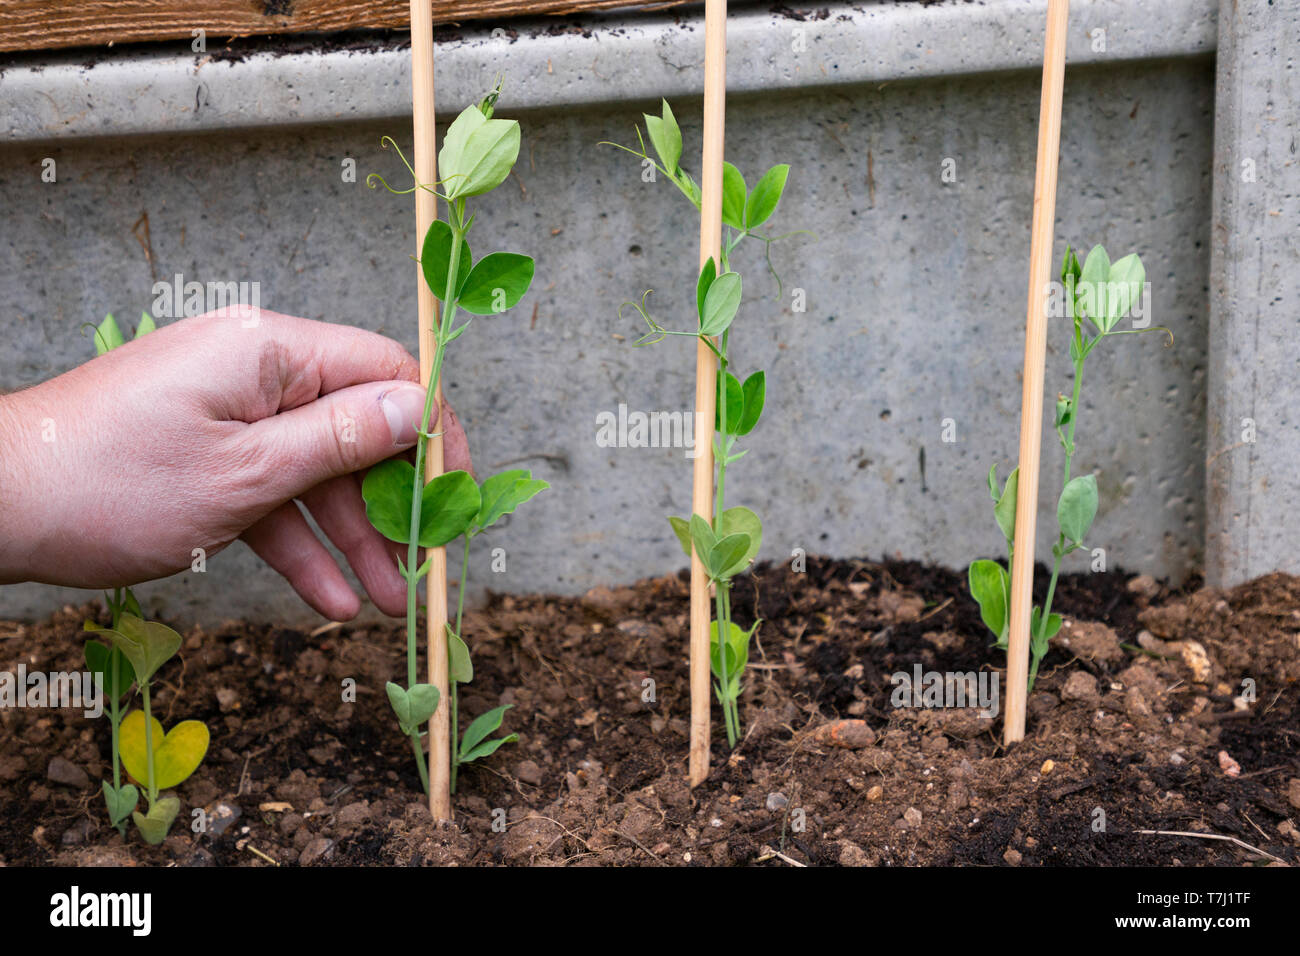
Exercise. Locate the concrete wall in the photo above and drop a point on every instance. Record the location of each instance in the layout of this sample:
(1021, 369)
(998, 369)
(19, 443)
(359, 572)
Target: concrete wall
(915, 287)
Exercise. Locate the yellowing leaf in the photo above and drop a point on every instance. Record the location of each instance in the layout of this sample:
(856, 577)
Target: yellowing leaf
(177, 754)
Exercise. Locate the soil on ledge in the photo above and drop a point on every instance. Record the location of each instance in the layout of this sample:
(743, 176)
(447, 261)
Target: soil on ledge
(1138, 722)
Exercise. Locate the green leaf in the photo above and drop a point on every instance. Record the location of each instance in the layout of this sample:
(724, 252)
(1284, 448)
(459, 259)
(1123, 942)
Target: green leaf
(146, 325)
(720, 304)
(755, 390)
(682, 528)
(1005, 509)
(108, 336)
(503, 493)
(1091, 288)
(477, 153)
(413, 707)
(767, 193)
(666, 136)
(1077, 507)
(487, 748)
(147, 644)
(733, 196)
(482, 725)
(737, 655)
(702, 536)
(707, 274)
(734, 406)
(496, 283)
(99, 661)
(459, 665)
(1125, 288)
(1070, 266)
(451, 502)
(740, 520)
(435, 259)
(989, 587)
(727, 556)
(387, 490)
(1036, 620)
(154, 825)
(120, 801)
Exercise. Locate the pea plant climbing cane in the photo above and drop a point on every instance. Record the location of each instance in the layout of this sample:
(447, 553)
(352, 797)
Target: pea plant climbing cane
(1098, 294)
(477, 155)
(729, 542)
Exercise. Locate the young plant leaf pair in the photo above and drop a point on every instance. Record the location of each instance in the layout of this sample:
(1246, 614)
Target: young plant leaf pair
(724, 552)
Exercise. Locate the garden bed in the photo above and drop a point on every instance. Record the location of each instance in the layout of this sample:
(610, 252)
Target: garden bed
(1152, 737)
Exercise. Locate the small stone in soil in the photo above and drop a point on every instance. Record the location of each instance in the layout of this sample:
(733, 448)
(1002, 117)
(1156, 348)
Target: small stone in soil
(315, 850)
(64, 771)
(354, 814)
(777, 802)
(77, 833)
(527, 771)
(912, 817)
(221, 816)
(1080, 685)
(1012, 857)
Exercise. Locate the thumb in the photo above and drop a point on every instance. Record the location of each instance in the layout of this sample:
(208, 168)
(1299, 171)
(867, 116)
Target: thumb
(337, 434)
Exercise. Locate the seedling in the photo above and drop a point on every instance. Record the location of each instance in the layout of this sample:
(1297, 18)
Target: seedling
(1102, 293)
(477, 155)
(730, 542)
(160, 761)
(114, 675)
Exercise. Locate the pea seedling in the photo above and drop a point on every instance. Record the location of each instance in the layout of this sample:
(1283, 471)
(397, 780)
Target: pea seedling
(1101, 292)
(730, 543)
(159, 760)
(477, 155)
(114, 675)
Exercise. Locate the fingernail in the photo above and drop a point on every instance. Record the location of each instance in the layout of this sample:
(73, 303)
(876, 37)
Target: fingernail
(403, 407)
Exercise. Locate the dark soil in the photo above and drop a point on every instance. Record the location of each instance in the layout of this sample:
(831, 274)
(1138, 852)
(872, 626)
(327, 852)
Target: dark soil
(1133, 719)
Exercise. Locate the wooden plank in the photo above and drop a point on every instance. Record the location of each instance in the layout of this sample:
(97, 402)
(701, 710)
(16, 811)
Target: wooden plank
(49, 24)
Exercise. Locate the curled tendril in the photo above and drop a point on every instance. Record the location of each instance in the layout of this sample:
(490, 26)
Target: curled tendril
(657, 332)
(1154, 328)
(374, 179)
(99, 336)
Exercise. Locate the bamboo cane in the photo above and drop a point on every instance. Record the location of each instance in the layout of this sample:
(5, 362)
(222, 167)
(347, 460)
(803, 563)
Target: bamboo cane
(706, 375)
(1031, 403)
(426, 172)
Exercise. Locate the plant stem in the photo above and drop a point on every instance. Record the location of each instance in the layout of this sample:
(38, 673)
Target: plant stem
(417, 496)
(1059, 552)
(454, 688)
(148, 742)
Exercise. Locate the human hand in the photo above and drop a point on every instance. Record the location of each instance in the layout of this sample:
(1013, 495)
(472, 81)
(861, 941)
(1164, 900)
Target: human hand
(205, 431)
